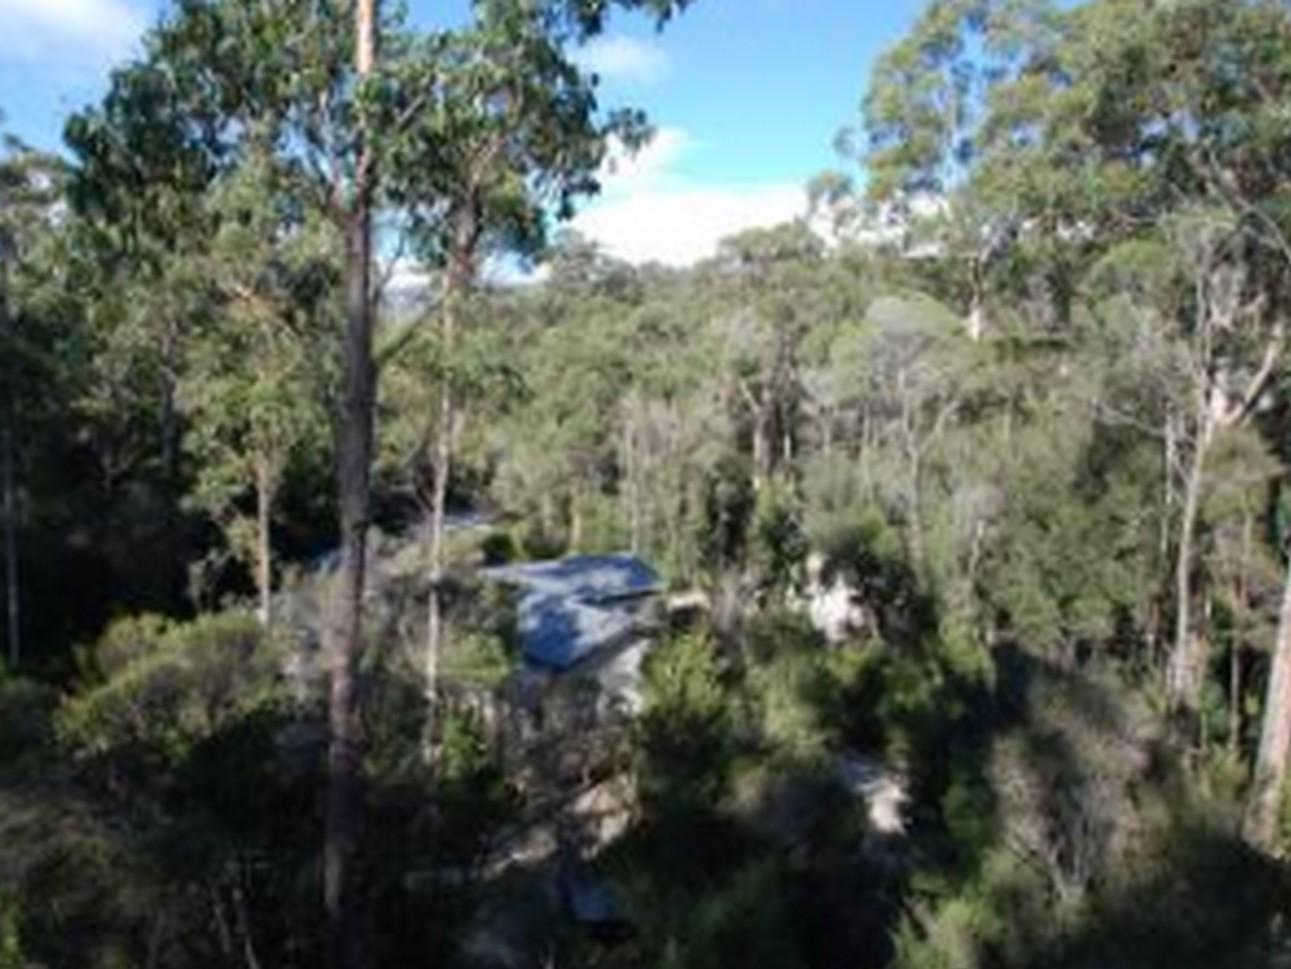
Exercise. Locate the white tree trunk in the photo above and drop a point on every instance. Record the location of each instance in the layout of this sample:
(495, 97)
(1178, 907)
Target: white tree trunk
(441, 458)
(9, 485)
(1264, 802)
(1186, 667)
(264, 545)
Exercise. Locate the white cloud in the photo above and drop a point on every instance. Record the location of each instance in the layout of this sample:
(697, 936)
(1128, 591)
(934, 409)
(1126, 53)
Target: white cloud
(623, 59)
(69, 35)
(680, 225)
(651, 213)
(624, 169)
(403, 277)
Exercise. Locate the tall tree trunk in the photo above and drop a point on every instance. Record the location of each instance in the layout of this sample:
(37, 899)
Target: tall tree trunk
(761, 449)
(8, 483)
(1265, 800)
(264, 545)
(1155, 622)
(914, 488)
(249, 955)
(976, 323)
(633, 483)
(1235, 696)
(13, 621)
(441, 468)
(344, 765)
(1186, 668)
(1241, 594)
(914, 480)
(169, 443)
(434, 603)
(576, 517)
(546, 514)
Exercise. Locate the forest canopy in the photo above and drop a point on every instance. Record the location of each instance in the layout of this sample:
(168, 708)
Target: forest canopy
(916, 569)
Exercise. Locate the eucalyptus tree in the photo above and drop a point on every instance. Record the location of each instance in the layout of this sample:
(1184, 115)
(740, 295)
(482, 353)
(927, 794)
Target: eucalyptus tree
(674, 419)
(137, 181)
(29, 189)
(1222, 393)
(1203, 351)
(1264, 807)
(1099, 125)
(511, 132)
(317, 85)
(768, 277)
(932, 115)
(257, 370)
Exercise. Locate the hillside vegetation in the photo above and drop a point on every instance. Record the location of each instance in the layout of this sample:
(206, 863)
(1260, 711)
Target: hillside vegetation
(1015, 399)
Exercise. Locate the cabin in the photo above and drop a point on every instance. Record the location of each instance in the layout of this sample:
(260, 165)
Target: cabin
(585, 619)
(569, 609)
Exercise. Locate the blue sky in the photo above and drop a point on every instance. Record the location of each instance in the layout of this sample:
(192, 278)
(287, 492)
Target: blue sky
(747, 96)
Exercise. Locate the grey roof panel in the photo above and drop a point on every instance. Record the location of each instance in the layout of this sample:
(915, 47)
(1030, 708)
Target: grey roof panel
(589, 578)
(570, 608)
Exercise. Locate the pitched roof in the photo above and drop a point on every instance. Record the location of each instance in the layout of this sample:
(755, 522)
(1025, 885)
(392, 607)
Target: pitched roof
(570, 608)
(587, 578)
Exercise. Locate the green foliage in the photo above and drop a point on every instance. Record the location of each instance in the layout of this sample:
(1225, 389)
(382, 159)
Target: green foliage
(537, 543)
(685, 734)
(775, 632)
(183, 774)
(992, 412)
(479, 658)
(166, 693)
(126, 640)
(1065, 572)
(11, 956)
(781, 541)
(255, 380)
(729, 505)
(791, 720)
(746, 919)
(498, 548)
(869, 553)
(26, 709)
(475, 797)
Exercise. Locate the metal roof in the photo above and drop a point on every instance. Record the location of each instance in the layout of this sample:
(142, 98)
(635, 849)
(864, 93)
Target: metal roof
(570, 608)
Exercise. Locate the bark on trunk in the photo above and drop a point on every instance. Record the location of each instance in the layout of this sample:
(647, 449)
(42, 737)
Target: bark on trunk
(244, 927)
(915, 504)
(1265, 799)
(169, 443)
(434, 605)
(1235, 649)
(631, 473)
(761, 450)
(9, 487)
(441, 468)
(13, 621)
(344, 781)
(914, 475)
(458, 281)
(1234, 697)
(976, 320)
(222, 932)
(264, 545)
(576, 518)
(1186, 669)
(344, 766)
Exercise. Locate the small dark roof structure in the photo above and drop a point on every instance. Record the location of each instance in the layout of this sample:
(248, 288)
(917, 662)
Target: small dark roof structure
(590, 900)
(570, 608)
